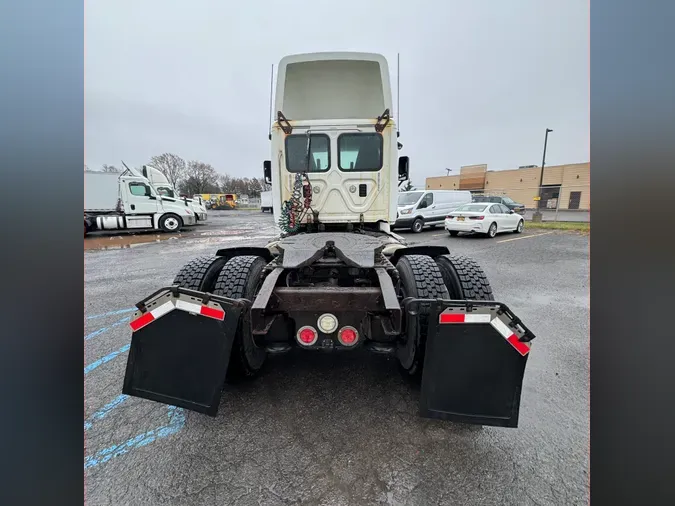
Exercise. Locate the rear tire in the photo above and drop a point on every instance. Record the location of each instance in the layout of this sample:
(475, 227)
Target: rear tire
(241, 278)
(492, 231)
(464, 278)
(200, 274)
(421, 278)
(417, 225)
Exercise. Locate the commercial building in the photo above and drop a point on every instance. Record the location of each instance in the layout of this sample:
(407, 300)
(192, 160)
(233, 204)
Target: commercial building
(570, 183)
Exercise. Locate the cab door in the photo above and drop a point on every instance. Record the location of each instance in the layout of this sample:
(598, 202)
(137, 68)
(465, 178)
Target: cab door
(427, 208)
(140, 198)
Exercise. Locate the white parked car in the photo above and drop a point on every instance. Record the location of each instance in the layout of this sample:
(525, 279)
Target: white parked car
(483, 218)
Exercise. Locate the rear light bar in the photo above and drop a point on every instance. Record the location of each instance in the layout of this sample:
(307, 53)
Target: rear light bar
(450, 216)
(476, 217)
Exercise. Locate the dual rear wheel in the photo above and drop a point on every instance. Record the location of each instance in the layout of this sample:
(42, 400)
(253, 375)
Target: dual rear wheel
(444, 277)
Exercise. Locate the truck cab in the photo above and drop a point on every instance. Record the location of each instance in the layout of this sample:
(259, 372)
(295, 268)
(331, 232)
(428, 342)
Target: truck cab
(169, 193)
(334, 142)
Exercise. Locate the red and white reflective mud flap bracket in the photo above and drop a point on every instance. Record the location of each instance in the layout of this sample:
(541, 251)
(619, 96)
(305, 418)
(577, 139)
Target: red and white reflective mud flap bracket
(474, 362)
(500, 322)
(157, 309)
(180, 348)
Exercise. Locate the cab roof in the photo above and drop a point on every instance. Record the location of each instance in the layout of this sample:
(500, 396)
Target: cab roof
(333, 85)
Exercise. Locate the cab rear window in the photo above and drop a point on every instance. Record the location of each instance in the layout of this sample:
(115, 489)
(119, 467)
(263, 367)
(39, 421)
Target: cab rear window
(360, 152)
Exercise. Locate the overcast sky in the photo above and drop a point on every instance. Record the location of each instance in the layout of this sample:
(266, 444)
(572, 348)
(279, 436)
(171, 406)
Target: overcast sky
(480, 80)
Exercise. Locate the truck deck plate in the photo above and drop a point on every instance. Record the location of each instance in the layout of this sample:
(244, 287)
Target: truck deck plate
(356, 250)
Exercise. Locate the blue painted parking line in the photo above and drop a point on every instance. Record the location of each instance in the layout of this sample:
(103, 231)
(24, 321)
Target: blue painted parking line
(106, 329)
(111, 313)
(106, 359)
(101, 413)
(175, 424)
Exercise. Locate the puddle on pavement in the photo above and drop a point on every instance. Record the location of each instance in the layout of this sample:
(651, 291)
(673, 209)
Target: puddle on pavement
(125, 241)
(201, 237)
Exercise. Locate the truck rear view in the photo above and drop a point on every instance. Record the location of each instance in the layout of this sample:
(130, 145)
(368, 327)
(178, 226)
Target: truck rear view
(336, 279)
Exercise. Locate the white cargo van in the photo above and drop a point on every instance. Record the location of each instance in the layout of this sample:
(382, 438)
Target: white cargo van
(419, 208)
(129, 201)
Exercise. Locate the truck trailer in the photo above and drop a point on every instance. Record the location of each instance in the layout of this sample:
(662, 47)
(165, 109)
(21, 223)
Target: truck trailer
(336, 279)
(128, 200)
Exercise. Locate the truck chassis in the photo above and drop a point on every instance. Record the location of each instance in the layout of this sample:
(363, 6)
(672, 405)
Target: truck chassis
(431, 310)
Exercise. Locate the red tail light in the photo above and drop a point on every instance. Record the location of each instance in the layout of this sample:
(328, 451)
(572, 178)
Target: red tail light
(348, 336)
(450, 216)
(476, 217)
(307, 336)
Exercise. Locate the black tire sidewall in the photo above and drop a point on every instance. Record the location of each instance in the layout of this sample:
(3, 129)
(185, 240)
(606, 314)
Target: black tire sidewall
(241, 365)
(415, 224)
(411, 289)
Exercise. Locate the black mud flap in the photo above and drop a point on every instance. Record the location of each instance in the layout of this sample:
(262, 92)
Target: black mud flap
(474, 363)
(180, 348)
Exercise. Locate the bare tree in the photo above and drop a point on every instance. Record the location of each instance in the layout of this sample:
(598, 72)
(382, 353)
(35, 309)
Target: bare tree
(200, 178)
(263, 185)
(109, 168)
(172, 166)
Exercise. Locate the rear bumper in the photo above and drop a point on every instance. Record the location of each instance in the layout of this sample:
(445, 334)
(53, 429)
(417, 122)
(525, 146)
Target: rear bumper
(466, 226)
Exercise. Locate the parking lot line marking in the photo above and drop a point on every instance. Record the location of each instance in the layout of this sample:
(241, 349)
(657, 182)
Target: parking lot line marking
(105, 410)
(111, 313)
(106, 329)
(106, 359)
(176, 423)
(436, 235)
(527, 236)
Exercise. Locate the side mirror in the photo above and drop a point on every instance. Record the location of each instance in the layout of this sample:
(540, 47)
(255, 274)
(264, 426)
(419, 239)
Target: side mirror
(403, 168)
(267, 171)
(511, 211)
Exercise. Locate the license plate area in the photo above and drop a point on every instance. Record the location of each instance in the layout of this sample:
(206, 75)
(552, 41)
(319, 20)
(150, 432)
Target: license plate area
(460, 218)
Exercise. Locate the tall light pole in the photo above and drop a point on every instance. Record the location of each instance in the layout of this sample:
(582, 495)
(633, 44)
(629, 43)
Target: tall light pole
(537, 214)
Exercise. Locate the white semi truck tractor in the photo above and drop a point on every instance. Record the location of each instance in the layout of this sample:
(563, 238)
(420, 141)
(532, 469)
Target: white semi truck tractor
(129, 201)
(336, 279)
(170, 193)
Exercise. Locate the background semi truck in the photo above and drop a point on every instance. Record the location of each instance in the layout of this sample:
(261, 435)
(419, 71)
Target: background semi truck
(266, 202)
(337, 278)
(129, 201)
(169, 192)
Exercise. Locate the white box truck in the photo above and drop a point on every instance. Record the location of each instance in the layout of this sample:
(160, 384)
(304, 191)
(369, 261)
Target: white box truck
(129, 201)
(266, 201)
(169, 192)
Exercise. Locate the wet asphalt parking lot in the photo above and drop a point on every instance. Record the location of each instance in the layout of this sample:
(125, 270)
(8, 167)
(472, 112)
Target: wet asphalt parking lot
(338, 428)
